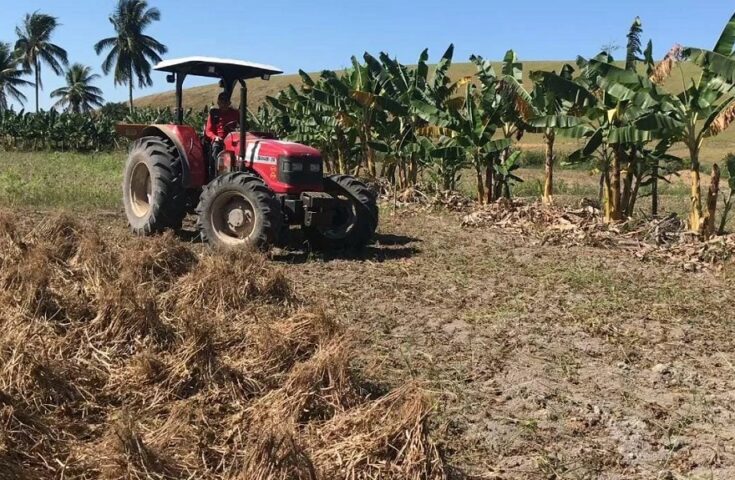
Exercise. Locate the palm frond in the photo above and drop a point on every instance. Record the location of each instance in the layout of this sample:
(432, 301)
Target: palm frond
(104, 44)
(109, 60)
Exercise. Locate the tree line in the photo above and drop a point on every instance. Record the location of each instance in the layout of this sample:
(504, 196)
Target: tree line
(129, 55)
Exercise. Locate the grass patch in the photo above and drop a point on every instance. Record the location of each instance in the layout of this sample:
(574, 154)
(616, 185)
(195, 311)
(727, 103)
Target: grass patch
(61, 180)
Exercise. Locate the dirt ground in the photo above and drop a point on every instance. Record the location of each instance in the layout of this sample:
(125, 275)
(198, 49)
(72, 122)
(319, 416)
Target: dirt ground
(545, 361)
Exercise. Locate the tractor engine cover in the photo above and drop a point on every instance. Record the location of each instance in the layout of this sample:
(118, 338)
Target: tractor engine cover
(287, 167)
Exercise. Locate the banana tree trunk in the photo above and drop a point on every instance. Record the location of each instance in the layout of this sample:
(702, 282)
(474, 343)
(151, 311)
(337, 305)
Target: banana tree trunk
(446, 180)
(631, 174)
(328, 162)
(725, 213)
(708, 226)
(480, 184)
(490, 180)
(391, 173)
(654, 189)
(370, 161)
(634, 195)
(549, 168)
(695, 212)
(341, 165)
(615, 213)
(413, 176)
(608, 196)
(367, 152)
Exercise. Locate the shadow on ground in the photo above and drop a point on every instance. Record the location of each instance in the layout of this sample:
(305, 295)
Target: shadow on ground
(384, 247)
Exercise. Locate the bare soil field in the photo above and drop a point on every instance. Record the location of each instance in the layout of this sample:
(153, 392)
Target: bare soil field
(541, 361)
(547, 362)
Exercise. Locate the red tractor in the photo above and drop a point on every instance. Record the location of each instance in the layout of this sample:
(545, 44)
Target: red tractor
(253, 191)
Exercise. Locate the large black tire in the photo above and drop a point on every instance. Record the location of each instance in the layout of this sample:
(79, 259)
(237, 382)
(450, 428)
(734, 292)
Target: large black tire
(153, 186)
(353, 227)
(238, 209)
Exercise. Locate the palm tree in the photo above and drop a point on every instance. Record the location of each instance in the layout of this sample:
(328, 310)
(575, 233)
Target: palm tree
(79, 95)
(10, 74)
(131, 52)
(34, 46)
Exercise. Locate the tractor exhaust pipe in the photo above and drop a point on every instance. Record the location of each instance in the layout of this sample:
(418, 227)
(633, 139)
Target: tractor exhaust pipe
(243, 119)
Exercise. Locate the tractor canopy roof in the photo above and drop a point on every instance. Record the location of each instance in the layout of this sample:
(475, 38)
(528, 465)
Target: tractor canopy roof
(217, 68)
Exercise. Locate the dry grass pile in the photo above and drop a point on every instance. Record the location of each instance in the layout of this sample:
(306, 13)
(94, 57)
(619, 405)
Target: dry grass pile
(150, 360)
(660, 239)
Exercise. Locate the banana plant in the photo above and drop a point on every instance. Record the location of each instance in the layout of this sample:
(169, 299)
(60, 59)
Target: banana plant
(704, 109)
(467, 136)
(543, 111)
(610, 100)
(266, 120)
(404, 150)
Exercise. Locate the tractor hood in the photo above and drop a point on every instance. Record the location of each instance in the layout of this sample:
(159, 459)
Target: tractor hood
(260, 149)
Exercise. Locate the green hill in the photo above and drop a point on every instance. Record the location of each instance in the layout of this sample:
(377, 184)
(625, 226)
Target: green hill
(198, 97)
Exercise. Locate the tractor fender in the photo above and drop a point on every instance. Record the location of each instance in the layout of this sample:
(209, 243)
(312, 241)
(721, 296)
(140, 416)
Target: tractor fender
(187, 142)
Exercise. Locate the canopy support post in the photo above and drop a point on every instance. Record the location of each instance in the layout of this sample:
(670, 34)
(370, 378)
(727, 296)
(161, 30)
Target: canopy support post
(243, 118)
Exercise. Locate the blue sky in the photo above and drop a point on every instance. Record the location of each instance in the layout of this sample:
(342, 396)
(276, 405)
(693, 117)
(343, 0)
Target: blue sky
(324, 34)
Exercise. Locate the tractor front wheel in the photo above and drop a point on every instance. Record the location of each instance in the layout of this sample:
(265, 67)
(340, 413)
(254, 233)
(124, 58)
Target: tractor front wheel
(153, 192)
(355, 219)
(238, 209)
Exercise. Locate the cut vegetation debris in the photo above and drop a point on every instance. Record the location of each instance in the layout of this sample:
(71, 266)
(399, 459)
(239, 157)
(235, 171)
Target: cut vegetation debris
(663, 239)
(150, 360)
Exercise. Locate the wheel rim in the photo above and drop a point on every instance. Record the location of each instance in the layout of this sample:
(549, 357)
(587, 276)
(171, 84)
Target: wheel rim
(141, 190)
(233, 218)
(343, 221)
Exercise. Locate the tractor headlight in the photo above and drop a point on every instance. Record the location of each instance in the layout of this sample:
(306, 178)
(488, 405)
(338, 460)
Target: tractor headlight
(315, 167)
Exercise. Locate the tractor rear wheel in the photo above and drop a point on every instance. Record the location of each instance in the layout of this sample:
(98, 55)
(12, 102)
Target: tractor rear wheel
(355, 220)
(153, 190)
(238, 209)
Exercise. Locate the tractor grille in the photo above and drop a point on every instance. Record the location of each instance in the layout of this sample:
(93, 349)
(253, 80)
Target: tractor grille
(300, 170)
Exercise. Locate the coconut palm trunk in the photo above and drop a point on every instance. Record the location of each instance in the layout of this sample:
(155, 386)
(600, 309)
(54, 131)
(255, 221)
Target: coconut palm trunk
(38, 79)
(549, 138)
(130, 87)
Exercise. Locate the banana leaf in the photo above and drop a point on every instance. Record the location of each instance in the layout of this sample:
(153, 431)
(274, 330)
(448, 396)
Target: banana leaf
(628, 135)
(724, 45)
(565, 89)
(717, 64)
(659, 122)
(431, 114)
